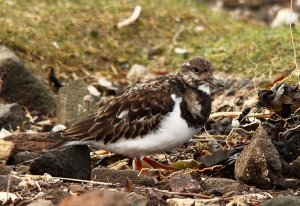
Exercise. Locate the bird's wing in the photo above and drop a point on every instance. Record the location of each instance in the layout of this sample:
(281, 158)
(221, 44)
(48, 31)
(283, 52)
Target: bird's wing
(129, 115)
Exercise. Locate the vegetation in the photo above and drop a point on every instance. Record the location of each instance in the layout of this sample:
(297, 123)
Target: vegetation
(78, 36)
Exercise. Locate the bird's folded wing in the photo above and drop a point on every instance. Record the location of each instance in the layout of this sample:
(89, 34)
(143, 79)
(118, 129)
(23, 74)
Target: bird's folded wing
(130, 115)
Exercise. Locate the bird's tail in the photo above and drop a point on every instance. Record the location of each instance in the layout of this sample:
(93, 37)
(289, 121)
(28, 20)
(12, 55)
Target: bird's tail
(76, 132)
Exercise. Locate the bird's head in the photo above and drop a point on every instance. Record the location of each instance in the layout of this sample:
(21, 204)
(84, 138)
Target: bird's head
(197, 72)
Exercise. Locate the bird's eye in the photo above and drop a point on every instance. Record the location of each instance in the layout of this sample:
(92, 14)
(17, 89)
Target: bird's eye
(195, 70)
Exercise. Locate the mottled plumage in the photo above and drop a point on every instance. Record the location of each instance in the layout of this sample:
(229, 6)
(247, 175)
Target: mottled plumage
(151, 116)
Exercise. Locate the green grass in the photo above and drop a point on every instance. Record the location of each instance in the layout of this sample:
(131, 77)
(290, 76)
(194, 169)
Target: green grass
(35, 28)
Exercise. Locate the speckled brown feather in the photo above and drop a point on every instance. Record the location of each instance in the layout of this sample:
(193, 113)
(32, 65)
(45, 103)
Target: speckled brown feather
(140, 109)
(146, 106)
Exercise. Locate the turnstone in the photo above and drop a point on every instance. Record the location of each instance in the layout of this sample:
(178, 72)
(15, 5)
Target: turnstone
(152, 116)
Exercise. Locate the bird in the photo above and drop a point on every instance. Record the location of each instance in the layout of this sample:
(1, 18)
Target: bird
(150, 117)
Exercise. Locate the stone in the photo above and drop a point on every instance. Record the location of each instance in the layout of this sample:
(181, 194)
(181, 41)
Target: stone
(12, 116)
(6, 150)
(184, 182)
(56, 195)
(4, 179)
(73, 103)
(6, 196)
(25, 156)
(137, 72)
(41, 202)
(121, 176)
(4, 170)
(295, 169)
(31, 142)
(19, 85)
(223, 185)
(22, 170)
(284, 17)
(71, 162)
(259, 163)
(104, 196)
(137, 200)
(76, 188)
(244, 3)
(189, 202)
(282, 201)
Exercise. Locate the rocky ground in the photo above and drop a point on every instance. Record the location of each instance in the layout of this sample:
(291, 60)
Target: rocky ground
(247, 155)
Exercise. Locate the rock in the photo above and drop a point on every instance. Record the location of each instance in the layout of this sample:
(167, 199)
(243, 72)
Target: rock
(14, 182)
(22, 157)
(137, 72)
(72, 104)
(288, 148)
(71, 162)
(76, 189)
(19, 85)
(282, 201)
(6, 150)
(284, 17)
(41, 202)
(32, 142)
(6, 196)
(22, 170)
(56, 195)
(4, 170)
(121, 176)
(296, 168)
(137, 200)
(4, 133)
(188, 202)
(184, 182)
(103, 196)
(259, 163)
(223, 185)
(245, 3)
(12, 116)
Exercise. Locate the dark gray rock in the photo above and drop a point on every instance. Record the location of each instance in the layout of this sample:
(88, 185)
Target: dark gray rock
(13, 116)
(223, 185)
(74, 103)
(184, 182)
(71, 162)
(22, 157)
(4, 170)
(282, 201)
(137, 200)
(121, 176)
(19, 85)
(259, 163)
(296, 168)
(14, 182)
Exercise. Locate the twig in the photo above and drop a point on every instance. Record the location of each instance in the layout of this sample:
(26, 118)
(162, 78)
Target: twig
(8, 184)
(177, 34)
(71, 179)
(294, 49)
(134, 16)
(236, 114)
(177, 193)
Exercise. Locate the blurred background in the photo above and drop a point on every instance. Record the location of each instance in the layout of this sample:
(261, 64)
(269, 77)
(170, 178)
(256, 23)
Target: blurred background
(79, 38)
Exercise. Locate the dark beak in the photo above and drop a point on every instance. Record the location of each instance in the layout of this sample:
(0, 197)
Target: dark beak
(213, 80)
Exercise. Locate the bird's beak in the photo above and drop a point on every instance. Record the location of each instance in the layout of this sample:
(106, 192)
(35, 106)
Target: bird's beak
(213, 80)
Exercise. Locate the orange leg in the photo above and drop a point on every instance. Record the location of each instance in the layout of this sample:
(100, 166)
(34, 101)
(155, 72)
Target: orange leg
(137, 164)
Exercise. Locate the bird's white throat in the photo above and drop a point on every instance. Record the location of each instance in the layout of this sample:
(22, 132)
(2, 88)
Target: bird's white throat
(204, 88)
